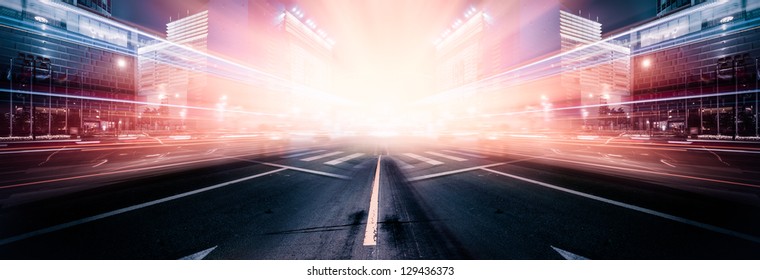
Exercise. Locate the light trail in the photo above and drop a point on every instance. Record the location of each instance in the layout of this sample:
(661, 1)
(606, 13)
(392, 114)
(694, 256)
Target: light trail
(37, 93)
(681, 176)
(550, 66)
(232, 68)
(553, 109)
(116, 172)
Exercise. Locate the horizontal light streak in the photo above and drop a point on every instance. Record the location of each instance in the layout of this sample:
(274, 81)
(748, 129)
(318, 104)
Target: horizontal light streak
(611, 104)
(135, 102)
(228, 68)
(551, 65)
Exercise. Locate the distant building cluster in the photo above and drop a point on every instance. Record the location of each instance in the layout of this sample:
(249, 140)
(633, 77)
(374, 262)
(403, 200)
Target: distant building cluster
(690, 70)
(267, 57)
(70, 68)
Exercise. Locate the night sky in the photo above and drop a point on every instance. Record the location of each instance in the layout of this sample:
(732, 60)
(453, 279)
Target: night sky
(154, 14)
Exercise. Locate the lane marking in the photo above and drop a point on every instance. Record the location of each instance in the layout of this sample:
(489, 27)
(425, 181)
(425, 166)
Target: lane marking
(464, 154)
(370, 233)
(128, 209)
(709, 227)
(716, 155)
(446, 173)
(568, 255)
(100, 163)
(647, 171)
(667, 163)
(346, 158)
(321, 156)
(423, 159)
(108, 173)
(295, 168)
(121, 170)
(446, 156)
(51, 156)
(302, 154)
(424, 177)
(39, 151)
(198, 256)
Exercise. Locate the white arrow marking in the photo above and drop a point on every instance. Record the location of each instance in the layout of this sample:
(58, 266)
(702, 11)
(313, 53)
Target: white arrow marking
(200, 255)
(569, 256)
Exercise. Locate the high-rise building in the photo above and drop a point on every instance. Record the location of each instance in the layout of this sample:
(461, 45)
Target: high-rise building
(507, 57)
(594, 71)
(477, 56)
(665, 7)
(695, 70)
(255, 56)
(173, 73)
(83, 59)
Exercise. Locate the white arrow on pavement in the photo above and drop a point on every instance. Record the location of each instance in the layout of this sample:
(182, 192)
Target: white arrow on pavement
(200, 255)
(567, 255)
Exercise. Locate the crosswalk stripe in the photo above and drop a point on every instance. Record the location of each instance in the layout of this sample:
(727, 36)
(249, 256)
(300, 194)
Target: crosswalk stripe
(346, 158)
(302, 154)
(446, 156)
(421, 158)
(464, 154)
(321, 156)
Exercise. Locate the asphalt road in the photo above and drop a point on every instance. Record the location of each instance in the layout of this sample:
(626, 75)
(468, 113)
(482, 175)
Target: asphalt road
(517, 197)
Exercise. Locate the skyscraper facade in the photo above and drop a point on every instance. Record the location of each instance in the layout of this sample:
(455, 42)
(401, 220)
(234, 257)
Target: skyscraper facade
(594, 71)
(66, 67)
(695, 71)
(235, 65)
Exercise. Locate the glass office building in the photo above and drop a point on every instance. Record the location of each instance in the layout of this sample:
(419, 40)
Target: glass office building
(695, 71)
(65, 70)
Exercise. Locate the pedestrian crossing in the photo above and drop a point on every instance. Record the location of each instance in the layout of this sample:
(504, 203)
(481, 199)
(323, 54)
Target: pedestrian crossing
(403, 160)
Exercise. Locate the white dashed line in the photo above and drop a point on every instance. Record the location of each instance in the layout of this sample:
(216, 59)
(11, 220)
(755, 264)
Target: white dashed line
(303, 154)
(343, 159)
(464, 154)
(424, 159)
(446, 156)
(321, 156)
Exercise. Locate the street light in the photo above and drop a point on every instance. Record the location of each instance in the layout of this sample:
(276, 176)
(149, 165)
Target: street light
(646, 64)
